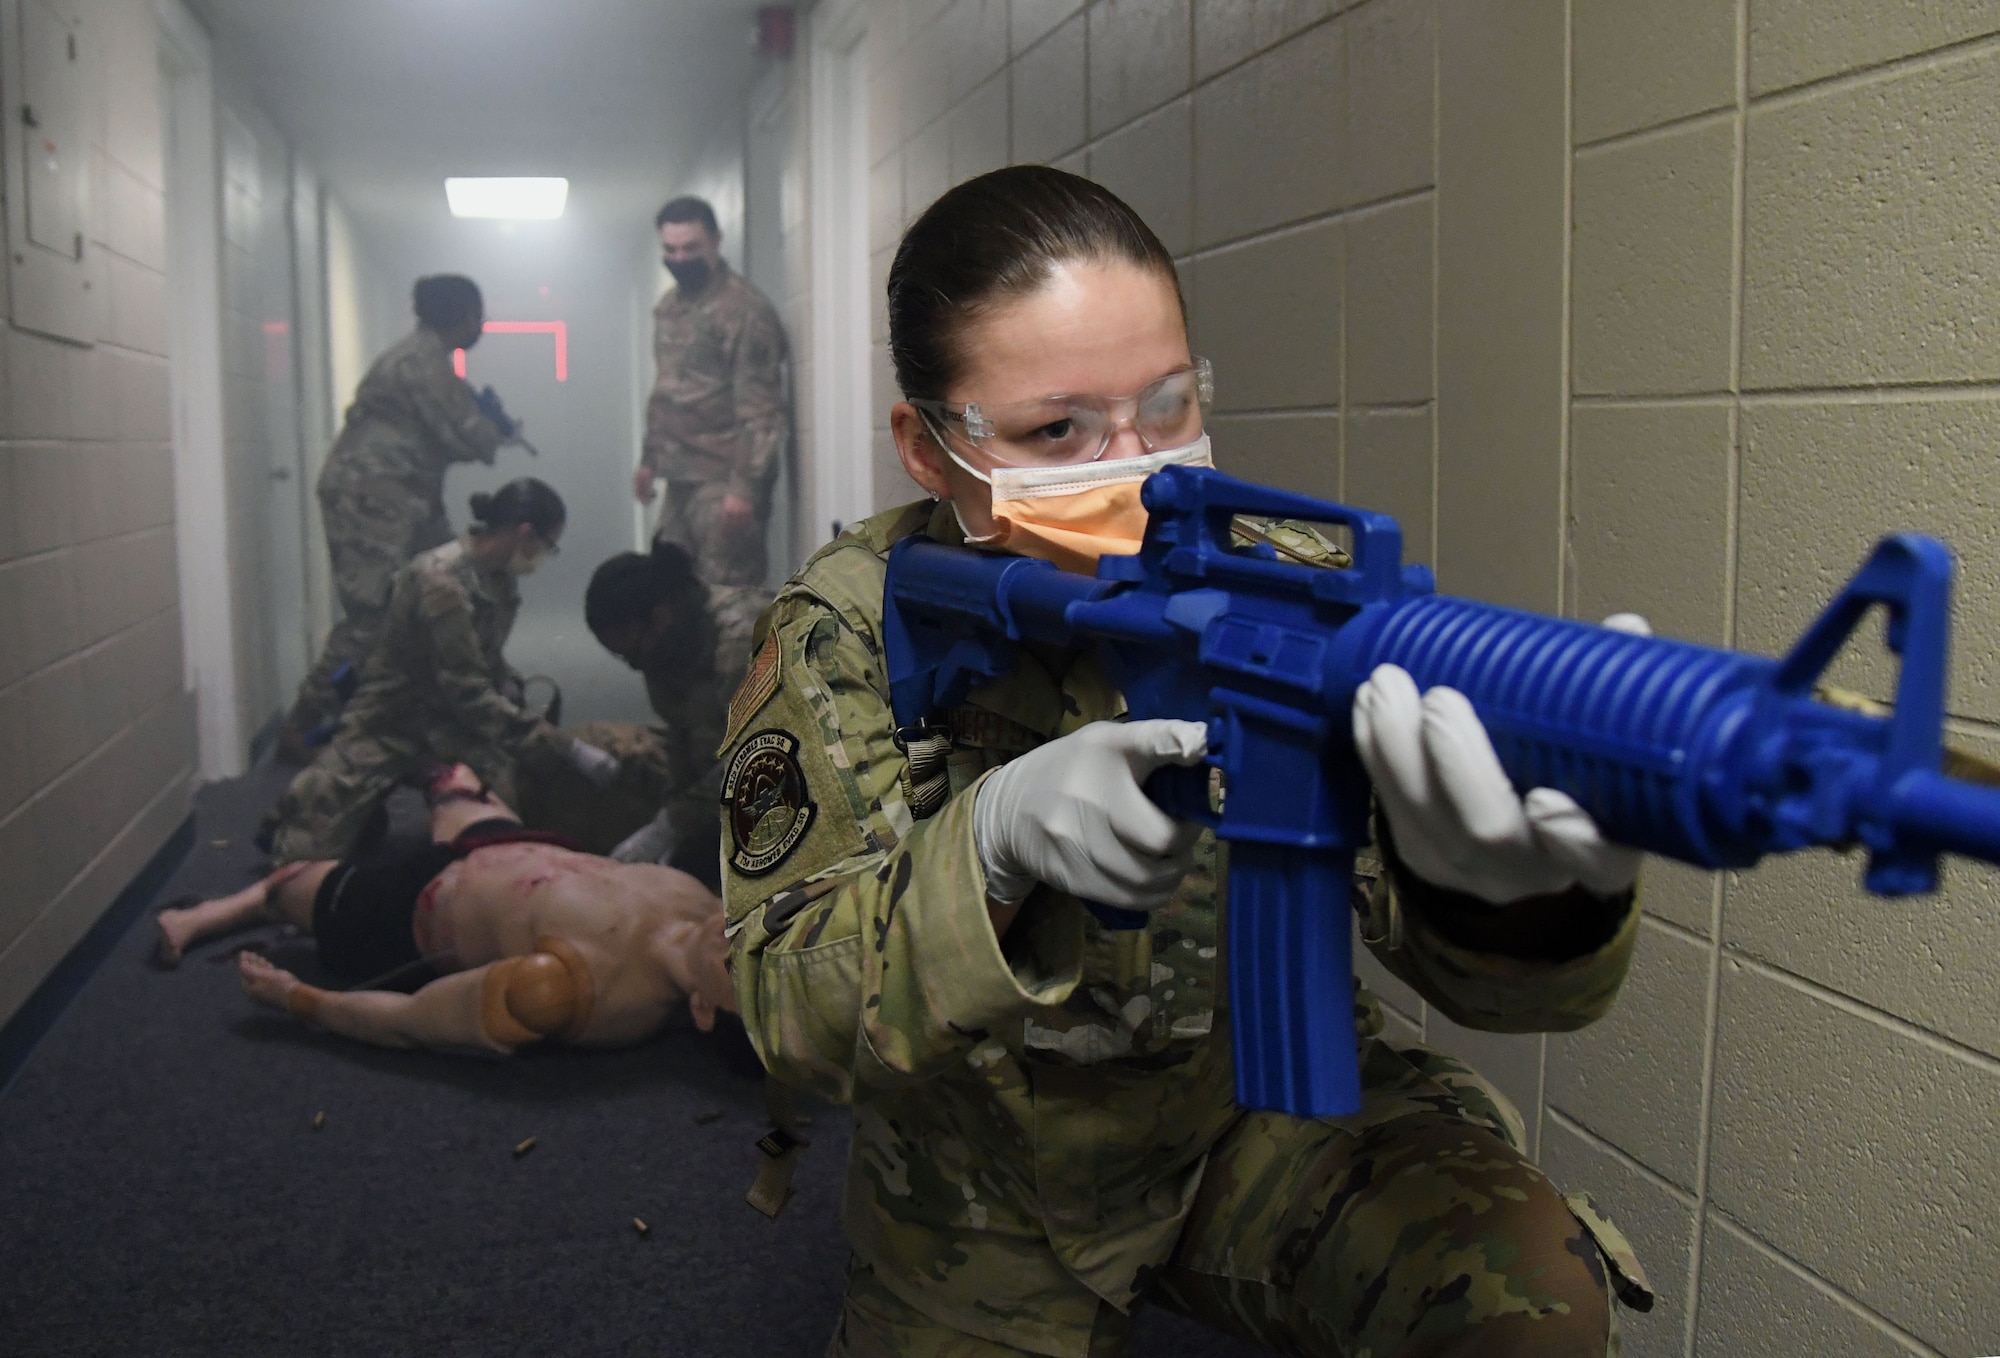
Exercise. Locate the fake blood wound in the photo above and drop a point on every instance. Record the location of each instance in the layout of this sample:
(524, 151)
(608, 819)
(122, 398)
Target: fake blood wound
(424, 924)
(765, 801)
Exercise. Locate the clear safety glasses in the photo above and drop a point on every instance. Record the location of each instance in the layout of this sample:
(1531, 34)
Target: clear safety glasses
(1051, 431)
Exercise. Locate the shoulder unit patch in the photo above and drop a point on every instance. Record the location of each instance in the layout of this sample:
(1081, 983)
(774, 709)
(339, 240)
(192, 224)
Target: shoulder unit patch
(765, 802)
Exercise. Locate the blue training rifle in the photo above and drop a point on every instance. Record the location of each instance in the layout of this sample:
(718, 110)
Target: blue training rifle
(1708, 756)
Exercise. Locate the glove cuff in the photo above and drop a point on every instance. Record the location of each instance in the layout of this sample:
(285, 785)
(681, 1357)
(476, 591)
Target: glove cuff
(1004, 888)
(1005, 884)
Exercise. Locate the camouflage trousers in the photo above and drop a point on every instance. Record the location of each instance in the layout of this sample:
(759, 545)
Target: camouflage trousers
(371, 533)
(1425, 1235)
(330, 802)
(692, 517)
(563, 800)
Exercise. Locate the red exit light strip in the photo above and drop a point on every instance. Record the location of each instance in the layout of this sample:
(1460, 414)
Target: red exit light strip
(560, 329)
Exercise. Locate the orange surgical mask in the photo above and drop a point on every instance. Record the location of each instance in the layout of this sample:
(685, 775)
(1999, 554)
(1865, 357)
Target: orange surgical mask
(1075, 513)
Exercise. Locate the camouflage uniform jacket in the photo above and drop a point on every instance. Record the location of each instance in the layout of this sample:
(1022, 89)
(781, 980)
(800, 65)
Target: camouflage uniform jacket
(1033, 1114)
(692, 705)
(411, 419)
(719, 411)
(439, 661)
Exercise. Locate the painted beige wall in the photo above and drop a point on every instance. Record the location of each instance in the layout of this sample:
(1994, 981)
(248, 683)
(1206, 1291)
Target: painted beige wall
(367, 309)
(1668, 307)
(363, 312)
(778, 261)
(96, 730)
(347, 311)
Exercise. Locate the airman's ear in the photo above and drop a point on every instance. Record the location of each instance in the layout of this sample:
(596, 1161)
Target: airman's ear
(701, 1011)
(922, 458)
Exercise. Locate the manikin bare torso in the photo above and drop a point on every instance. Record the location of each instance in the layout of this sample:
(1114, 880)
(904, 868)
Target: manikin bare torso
(649, 934)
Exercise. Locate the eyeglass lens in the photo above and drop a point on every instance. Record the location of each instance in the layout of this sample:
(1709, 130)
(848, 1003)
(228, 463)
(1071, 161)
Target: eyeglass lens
(1166, 414)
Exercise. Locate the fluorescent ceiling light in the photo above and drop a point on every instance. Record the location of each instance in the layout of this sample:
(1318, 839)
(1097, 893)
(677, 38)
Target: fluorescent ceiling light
(535, 199)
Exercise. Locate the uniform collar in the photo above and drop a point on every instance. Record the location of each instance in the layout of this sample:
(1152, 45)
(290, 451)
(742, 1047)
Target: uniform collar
(943, 526)
(495, 584)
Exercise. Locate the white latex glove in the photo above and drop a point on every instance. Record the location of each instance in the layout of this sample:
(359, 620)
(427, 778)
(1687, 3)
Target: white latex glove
(1457, 820)
(599, 766)
(1072, 813)
(652, 842)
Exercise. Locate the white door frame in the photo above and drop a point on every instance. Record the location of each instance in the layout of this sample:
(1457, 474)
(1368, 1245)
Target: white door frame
(842, 375)
(201, 490)
(315, 431)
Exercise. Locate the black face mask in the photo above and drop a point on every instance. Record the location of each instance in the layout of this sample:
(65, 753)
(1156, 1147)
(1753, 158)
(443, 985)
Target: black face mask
(690, 275)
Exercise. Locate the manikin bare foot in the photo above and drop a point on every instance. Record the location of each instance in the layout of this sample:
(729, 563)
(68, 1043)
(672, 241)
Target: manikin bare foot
(265, 982)
(177, 930)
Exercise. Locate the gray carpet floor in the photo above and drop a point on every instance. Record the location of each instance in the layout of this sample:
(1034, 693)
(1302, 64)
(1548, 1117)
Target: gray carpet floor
(163, 1190)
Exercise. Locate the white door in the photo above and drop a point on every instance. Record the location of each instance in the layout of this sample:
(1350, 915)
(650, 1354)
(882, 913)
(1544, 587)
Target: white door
(290, 618)
(201, 489)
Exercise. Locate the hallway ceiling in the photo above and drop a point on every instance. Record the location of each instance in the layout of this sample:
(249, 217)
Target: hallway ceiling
(387, 97)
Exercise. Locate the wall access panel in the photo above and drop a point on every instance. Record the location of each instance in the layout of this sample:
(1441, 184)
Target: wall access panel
(51, 262)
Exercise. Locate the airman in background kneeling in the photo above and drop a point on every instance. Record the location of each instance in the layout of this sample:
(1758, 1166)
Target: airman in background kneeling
(692, 643)
(437, 687)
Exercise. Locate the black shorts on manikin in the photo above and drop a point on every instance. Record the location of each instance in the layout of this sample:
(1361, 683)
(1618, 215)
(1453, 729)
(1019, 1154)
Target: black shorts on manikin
(364, 912)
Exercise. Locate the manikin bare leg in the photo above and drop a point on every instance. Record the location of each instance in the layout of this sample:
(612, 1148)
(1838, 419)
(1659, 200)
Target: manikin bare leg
(286, 895)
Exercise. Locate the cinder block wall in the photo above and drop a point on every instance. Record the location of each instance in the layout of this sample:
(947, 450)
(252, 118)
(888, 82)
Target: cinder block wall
(1666, 307)
(96, 732)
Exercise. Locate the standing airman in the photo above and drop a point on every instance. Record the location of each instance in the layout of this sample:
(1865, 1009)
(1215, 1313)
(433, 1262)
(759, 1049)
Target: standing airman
(381, 493)
(719, 418)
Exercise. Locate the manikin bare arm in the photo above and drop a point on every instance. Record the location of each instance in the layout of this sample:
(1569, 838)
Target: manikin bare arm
(446, 1014)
